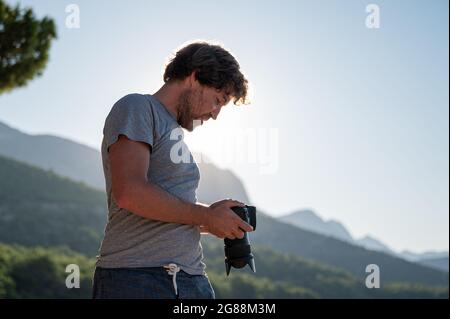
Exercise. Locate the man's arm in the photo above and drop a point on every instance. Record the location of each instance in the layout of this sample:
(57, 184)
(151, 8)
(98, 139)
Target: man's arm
(129, 161)
(203, 229)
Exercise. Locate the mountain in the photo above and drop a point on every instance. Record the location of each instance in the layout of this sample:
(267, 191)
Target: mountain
(371, 243)
(65, 209)
(408, 255)
(65, 157)
(309, 220)
(40, 208)
(82, 163)
(435, 259)
(291, 239)
(216, 184)
(437, 263)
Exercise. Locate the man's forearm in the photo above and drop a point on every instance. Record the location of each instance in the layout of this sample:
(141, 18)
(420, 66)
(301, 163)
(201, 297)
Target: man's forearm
(204, 230)
(150, 201)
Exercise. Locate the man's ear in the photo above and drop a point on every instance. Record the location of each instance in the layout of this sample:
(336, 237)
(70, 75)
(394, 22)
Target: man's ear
(192, 81)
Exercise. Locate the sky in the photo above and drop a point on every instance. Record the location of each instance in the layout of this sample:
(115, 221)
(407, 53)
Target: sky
(346, 120)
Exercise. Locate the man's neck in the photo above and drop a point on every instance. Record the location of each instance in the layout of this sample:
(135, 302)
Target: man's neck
(168, 96)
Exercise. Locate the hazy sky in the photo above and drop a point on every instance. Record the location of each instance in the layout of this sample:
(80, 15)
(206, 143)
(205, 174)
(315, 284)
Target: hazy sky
(361, 114)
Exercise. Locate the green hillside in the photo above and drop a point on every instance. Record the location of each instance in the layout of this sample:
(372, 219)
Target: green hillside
(39, 208)
(354, 259)
(40, 273)
(315, 280)
(74, 215)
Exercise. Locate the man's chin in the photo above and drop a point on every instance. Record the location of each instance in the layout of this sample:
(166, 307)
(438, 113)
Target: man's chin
(191, 125)
(194, 124)
(188, 128)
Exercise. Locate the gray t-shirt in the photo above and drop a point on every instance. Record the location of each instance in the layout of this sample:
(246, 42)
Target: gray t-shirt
(133, 241)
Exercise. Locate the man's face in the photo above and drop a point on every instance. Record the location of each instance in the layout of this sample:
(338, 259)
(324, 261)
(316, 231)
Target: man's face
(199, 103)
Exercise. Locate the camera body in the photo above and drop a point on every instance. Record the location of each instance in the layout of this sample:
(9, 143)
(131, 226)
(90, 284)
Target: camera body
(238, 251)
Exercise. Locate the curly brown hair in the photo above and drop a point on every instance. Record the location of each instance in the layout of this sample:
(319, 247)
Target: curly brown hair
(213, 66)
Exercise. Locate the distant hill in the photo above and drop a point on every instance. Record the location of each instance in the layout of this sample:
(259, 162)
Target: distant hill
(309, 220)
(84, 164)
(291, 239)
(434, 259)
(38, 207)
(216, 184)
(64, 157)
(371, 243)
(437, 263)
(408, 255)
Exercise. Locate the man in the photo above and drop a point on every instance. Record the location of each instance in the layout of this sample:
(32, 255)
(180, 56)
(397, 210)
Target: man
(151, 246)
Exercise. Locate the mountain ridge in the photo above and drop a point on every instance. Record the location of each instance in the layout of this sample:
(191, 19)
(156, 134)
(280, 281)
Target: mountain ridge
(309, 220)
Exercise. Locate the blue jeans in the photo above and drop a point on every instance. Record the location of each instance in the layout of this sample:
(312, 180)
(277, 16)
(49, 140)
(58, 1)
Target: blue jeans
(149, 283)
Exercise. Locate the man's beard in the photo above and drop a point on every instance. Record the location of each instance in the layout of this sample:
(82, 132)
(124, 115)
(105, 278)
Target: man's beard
(185, 106)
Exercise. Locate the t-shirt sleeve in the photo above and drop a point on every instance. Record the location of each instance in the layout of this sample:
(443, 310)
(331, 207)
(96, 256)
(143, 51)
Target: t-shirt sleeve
(131, 116)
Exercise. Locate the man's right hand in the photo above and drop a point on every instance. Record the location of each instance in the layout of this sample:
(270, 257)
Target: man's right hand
(222, 222)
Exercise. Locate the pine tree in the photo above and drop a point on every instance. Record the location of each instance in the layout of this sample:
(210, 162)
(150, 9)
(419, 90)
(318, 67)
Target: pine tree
(24, 45)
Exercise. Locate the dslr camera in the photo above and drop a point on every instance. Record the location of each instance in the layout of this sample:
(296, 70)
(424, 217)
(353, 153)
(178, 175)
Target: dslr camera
(238, 252)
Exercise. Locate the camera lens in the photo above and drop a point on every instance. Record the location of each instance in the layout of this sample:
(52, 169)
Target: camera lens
(238, 251)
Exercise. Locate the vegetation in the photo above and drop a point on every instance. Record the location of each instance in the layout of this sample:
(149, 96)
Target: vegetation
(39, 208)
(24, 45)
(40, 273)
